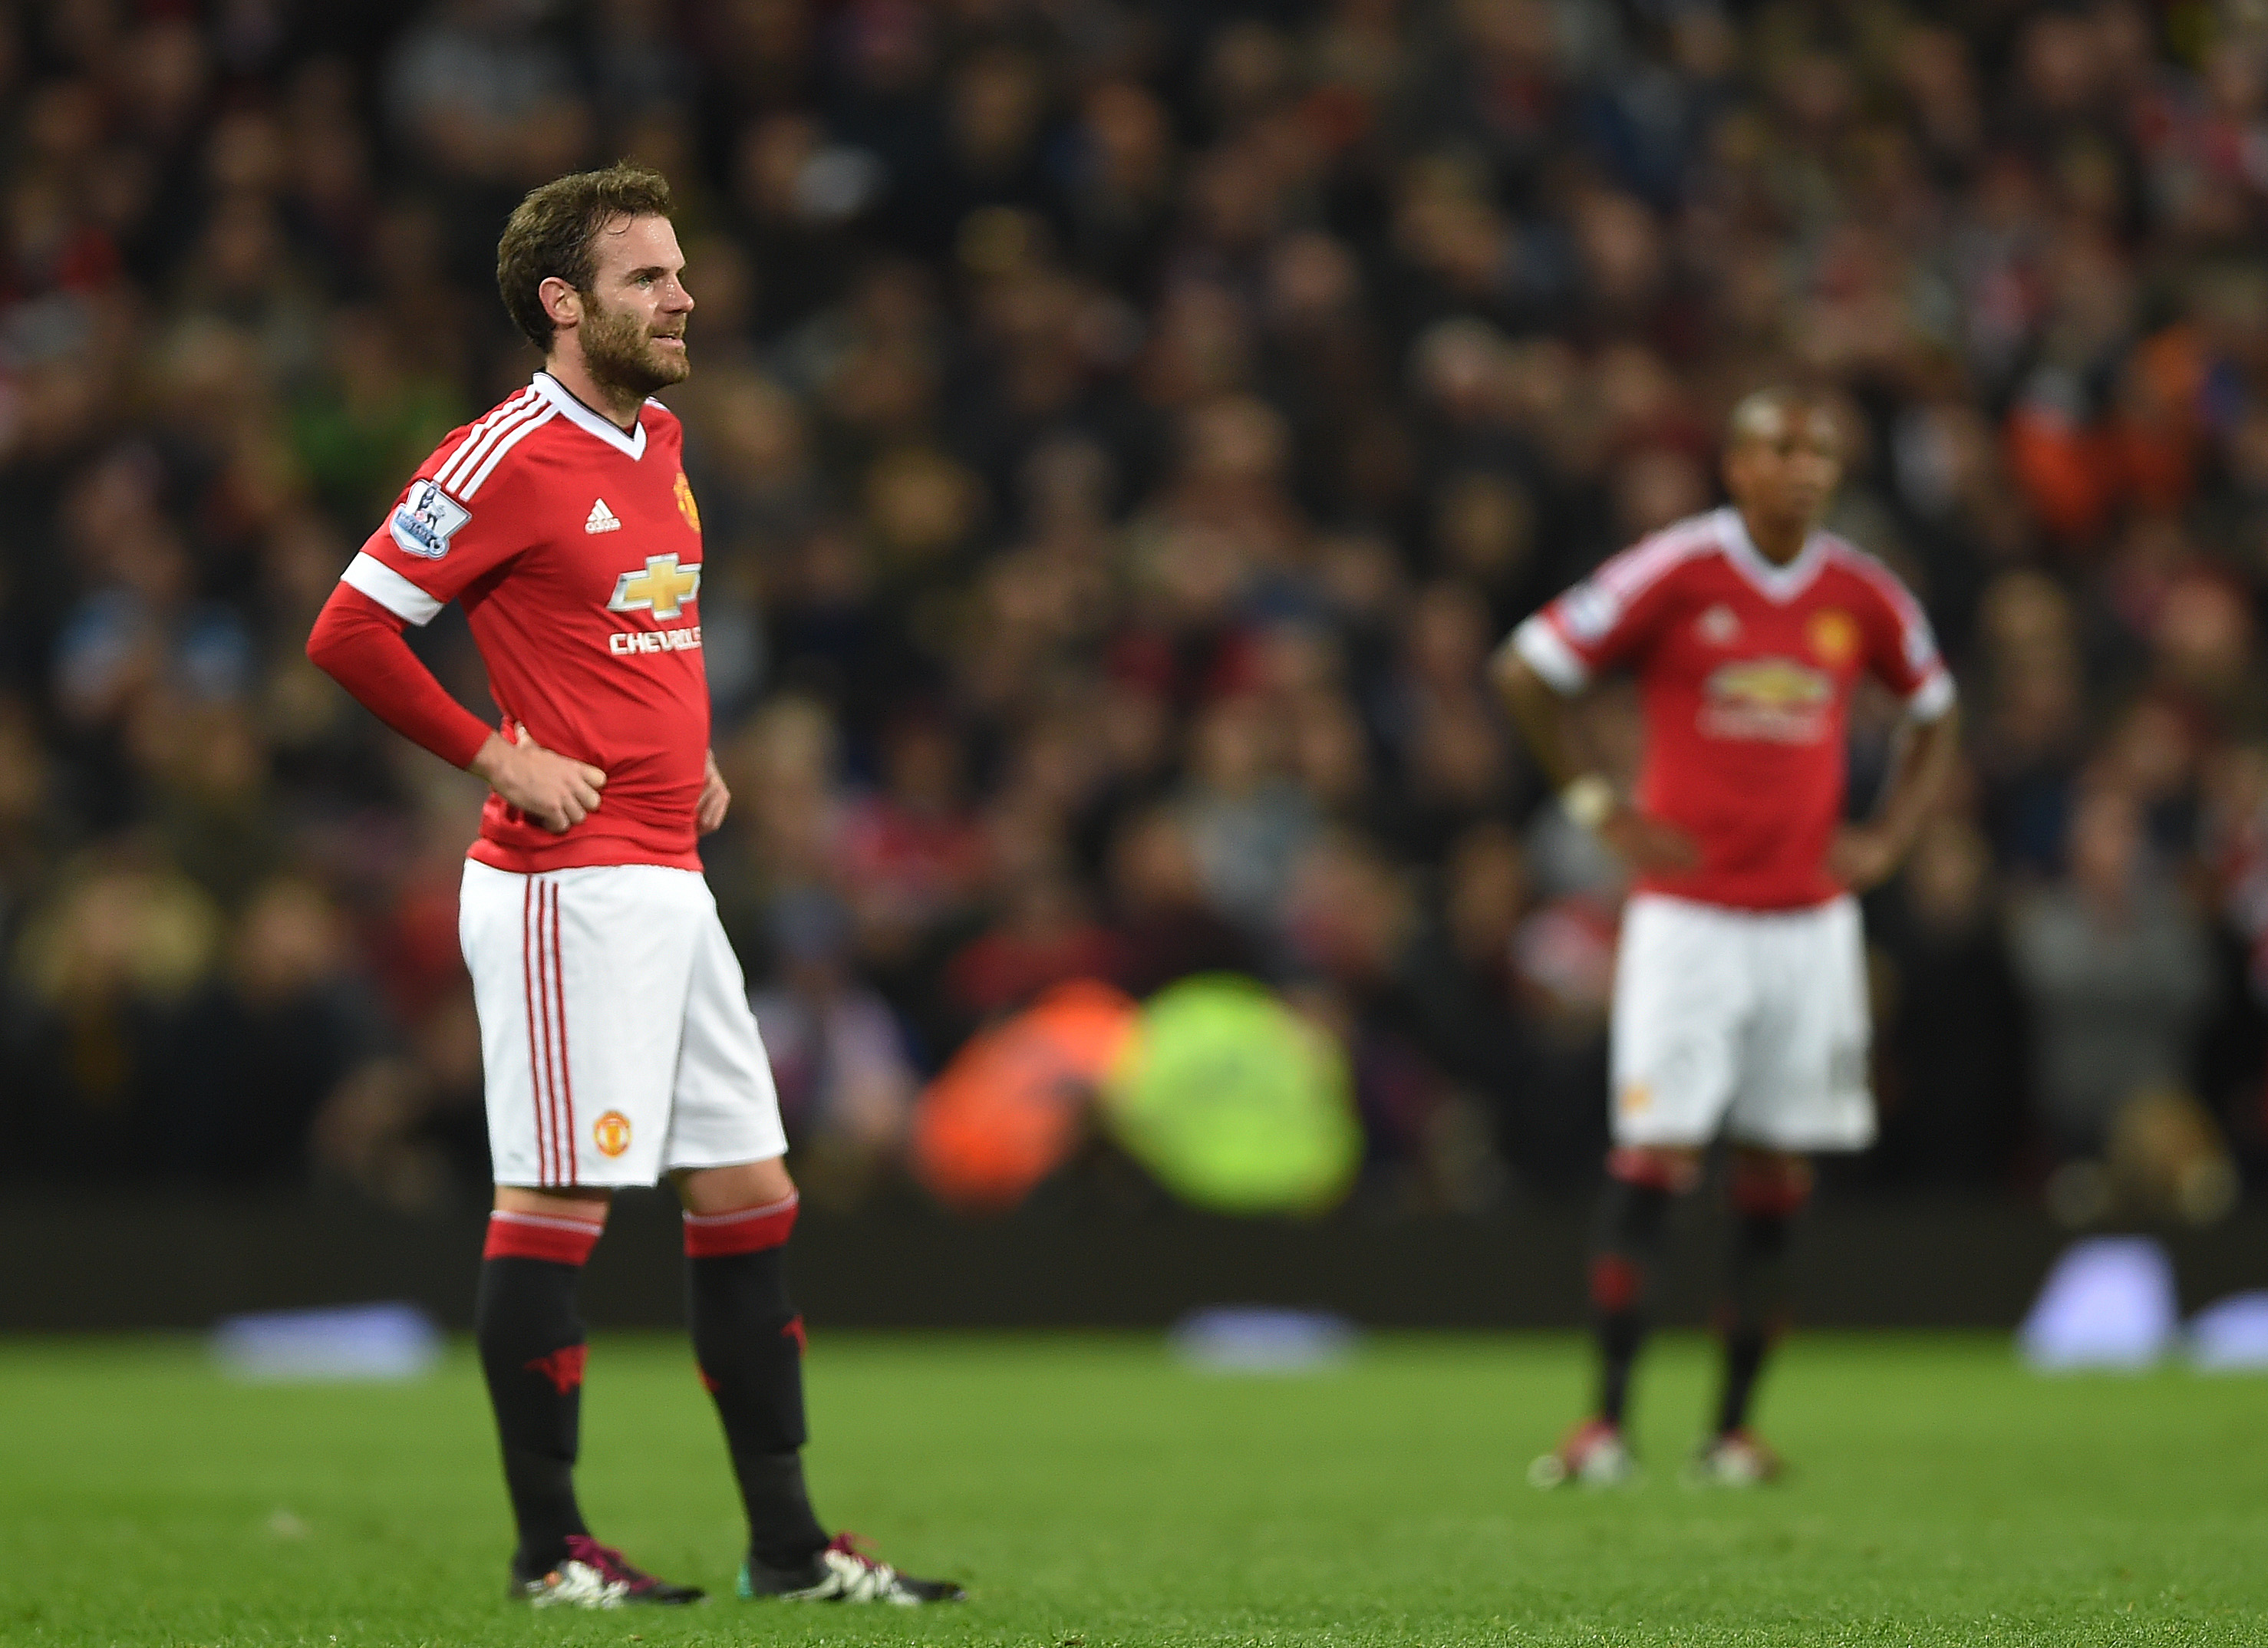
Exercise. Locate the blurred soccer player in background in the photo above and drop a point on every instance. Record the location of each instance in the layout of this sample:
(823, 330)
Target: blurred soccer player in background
(617, 1043)
(1740, 999)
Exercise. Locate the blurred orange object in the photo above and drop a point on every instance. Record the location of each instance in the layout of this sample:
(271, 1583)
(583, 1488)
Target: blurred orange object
(1011, 1105)
(2064, 469)
(2156, 432)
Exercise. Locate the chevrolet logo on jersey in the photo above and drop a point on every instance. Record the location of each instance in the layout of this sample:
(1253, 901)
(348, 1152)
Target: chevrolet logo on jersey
(1774, 683)
(662, 589)
(1775, 699)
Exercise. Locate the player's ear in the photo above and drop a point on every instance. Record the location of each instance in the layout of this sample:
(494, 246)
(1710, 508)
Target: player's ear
(561, 301)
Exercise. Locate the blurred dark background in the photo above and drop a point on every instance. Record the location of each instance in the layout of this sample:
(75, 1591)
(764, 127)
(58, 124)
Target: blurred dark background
(1122, 431)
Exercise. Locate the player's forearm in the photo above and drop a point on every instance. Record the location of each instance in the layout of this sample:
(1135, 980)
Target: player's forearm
(1927, 752)
(490, 762)
(1539, 709)
(357, 643)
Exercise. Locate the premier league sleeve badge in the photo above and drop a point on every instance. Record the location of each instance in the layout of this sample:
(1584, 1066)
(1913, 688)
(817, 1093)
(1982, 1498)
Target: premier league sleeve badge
(426, 520)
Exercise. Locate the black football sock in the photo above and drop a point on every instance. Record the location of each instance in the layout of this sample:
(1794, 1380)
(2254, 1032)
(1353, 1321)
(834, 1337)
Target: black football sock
(749, 1342)
(531, 1342)
(1633, 1222)
(1756, 1303)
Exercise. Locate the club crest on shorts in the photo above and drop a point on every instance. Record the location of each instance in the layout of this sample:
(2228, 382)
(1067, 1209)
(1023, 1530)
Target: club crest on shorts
(611, 1133)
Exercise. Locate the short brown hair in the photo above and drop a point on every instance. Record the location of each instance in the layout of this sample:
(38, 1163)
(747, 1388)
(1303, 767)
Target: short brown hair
(555, 232)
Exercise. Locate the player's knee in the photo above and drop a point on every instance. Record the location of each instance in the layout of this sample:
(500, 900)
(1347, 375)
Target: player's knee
(588, 1206)
(1770, 1184)
(1672, 1169)
(709, 1191)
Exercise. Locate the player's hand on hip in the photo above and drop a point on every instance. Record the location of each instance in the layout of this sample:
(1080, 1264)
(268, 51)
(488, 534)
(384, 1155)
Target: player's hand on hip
(555, 790)
(1862, 856)
(716, 799)
(1647, 845)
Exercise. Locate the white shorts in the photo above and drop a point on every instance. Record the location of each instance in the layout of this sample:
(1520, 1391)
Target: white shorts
(615, 1033)
(1753, 1023)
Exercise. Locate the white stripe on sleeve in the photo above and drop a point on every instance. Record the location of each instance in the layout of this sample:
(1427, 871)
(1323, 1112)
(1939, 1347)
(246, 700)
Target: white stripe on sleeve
(1932, 698)
(390, 590)
(477, 438)
(1546, 652)
(474, 482)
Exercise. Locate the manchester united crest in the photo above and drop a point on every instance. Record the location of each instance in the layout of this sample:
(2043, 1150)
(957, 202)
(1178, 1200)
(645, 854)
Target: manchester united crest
(1834, 635)
(686, 506)
(611, 1133)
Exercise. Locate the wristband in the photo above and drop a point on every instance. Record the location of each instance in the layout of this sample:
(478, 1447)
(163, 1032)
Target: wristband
(1589, 801)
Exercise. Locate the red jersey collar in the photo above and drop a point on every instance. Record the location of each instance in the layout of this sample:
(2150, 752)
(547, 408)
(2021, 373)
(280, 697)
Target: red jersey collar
(630, 445)
(1780, 585)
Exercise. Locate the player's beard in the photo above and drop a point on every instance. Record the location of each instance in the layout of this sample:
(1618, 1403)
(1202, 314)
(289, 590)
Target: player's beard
(622, 355)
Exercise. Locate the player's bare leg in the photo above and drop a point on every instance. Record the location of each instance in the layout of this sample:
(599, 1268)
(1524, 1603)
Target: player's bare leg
(1768, 1189)
(1643, 1183)
(749, 1341)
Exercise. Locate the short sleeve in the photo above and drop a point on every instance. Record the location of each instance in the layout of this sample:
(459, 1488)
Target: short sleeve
(1605, 620)
(451, 525)
(1902, 648)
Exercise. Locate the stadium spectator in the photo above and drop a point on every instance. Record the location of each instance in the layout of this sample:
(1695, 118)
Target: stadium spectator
(2118, 976)
(845, 1084)
(1115, 426)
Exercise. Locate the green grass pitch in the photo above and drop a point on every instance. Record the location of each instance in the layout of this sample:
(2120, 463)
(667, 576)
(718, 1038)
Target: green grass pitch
(1091, 1492)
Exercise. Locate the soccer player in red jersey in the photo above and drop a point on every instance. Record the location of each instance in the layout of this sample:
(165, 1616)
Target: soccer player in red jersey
(616, 1034)
(1740, 1003)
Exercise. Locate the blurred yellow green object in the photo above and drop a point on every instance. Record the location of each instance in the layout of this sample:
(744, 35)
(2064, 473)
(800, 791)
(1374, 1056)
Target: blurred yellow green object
(1234, 1102)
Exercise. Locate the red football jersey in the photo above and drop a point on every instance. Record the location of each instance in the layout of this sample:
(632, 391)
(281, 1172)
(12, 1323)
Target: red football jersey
(1745, 671)
(575, 547)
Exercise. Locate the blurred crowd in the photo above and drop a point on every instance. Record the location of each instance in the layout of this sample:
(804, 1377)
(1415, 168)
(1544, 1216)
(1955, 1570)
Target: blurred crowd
(1121, 433)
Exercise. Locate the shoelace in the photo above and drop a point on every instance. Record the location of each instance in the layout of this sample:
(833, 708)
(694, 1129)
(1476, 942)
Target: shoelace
(855, 1548)
(610, 1563)
(1592, 1433)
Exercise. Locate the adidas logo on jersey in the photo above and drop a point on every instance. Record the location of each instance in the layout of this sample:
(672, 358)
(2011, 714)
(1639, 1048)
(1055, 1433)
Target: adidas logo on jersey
(601, 519)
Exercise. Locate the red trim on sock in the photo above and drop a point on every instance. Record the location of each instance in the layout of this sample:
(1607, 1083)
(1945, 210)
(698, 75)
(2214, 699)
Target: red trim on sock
(794, 1330)
(1615, 1282)
(538, 1236)
(1768, 1195)
(1633, 1164)
(746, 1229)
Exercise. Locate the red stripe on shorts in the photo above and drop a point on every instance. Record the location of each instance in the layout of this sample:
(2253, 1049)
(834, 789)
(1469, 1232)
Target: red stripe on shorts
(563, 1143)
(566, 1073)
(527, 977)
